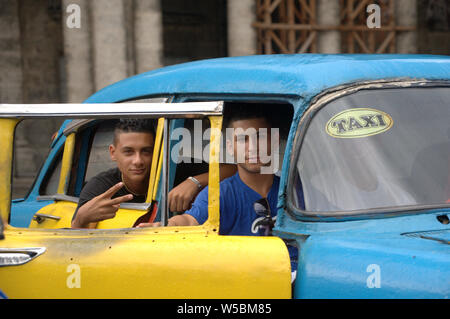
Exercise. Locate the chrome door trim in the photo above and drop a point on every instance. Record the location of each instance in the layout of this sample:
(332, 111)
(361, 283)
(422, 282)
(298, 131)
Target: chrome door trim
(111, 110)
(19, 256)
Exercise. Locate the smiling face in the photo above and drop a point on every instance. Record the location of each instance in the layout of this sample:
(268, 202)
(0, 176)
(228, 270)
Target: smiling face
(133, 154)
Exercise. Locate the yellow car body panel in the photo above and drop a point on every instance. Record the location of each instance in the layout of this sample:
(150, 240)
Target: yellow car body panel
(67, 159)
(169, 262)
(155, 169)
(6, 145)
(64, 210)
(214, 177)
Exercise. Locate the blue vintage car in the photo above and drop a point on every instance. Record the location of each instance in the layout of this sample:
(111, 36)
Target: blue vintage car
(364, 190)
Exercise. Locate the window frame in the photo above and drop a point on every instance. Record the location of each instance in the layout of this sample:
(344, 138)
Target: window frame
(211, 109)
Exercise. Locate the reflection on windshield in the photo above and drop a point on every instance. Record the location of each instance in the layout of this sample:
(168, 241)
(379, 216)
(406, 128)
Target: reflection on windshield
(375, 149)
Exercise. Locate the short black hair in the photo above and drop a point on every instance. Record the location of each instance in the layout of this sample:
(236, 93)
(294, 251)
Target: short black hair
(133, 126)
(245, 111)
(277, 115)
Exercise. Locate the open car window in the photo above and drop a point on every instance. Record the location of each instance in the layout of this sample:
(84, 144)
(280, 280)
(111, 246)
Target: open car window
(376, 149)
(84, 153)
(190, 140)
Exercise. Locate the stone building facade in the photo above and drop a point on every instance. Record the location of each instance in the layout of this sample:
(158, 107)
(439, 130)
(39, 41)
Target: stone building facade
(48, 56)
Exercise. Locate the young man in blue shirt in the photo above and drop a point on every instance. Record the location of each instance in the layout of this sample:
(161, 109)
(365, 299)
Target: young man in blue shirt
(253, 181)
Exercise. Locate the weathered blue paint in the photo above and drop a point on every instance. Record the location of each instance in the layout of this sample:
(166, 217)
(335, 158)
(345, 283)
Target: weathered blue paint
(302, 75)
(334, 258)
(338, 257)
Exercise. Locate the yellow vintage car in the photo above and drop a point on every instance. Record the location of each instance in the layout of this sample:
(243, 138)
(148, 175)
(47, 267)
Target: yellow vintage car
(48, 259)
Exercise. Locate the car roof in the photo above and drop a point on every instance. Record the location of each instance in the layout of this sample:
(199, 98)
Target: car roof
(303, 75)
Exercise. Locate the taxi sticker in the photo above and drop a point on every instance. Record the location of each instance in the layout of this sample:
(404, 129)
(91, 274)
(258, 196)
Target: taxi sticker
(359, 122)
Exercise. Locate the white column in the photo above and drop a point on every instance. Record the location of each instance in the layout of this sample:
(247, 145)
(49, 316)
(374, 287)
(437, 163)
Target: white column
(241, 35)
(148, 35)
(77, 53)
(406, 15)
(109, 42)
(328, 13)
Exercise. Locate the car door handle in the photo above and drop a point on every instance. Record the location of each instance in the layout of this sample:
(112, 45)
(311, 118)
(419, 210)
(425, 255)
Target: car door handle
(19, 256)
(39, 218)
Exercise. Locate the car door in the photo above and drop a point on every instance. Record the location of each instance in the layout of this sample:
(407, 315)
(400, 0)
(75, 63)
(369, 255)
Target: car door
(162, 262)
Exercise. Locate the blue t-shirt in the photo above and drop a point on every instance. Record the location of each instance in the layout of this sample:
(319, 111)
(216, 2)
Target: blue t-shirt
(237, 215)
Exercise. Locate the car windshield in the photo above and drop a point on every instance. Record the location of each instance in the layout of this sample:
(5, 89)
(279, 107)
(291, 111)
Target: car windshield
(376, 148)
